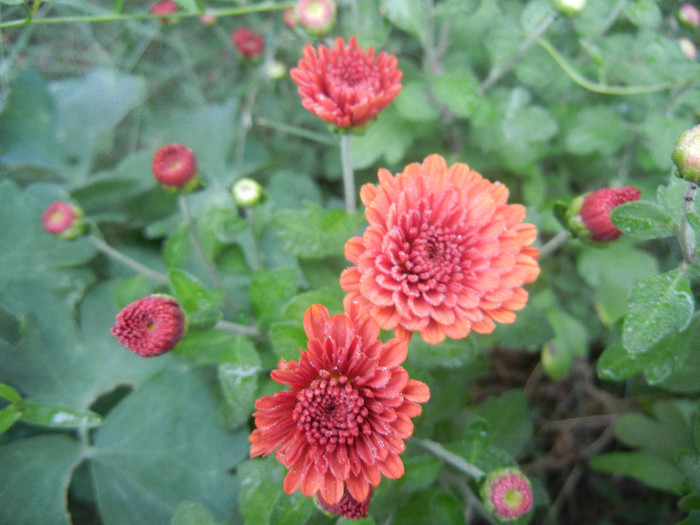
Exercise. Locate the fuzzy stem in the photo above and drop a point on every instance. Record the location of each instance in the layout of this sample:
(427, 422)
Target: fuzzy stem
(237, 329)
(126, 260)
(453, 459)
(553, 244)
(196, 242)
(348, 175)
(496, 73)
(686, 234)
(256, 247)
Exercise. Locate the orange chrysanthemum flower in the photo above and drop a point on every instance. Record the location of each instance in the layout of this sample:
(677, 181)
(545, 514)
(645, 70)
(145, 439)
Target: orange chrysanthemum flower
(343, 421)
(443, 254)
(346, 85)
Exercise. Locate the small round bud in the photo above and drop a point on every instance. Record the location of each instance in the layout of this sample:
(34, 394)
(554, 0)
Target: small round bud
(569, 7)
(247, 192)
(688, 48)
(289, 17)
(689, 16)
(686, 155)
(507, 493)
(165, 7)
(248, 43)
(317, 17)
(275, 70)
(64, 220)
(207, 19)
(347, 506)
(175, 167)
(588, 216)
(150, 326)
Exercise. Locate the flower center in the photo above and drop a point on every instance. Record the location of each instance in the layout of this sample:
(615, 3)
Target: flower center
(330, 411)
(352, 71)
(434, 254)
(513, 498)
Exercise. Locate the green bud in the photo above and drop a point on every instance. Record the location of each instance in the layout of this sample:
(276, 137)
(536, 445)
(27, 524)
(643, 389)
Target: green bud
(569, 7)
(247, 192)
(686, 155)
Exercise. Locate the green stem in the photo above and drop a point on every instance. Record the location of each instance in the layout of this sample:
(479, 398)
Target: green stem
(118, 17)
(496, 73)
(296, 131)
(553, 244)
(256, 247)
(605, 89)
(456, 461)
(126, 260)
(348, 175)
(686, 234)
(194, 238)
(237, 329)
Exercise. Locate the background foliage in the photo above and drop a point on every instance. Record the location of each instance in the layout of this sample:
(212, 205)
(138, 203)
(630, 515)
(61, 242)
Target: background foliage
(593, 391)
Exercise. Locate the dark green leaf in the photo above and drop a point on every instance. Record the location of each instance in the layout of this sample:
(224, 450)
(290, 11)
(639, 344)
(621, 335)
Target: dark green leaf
(598, 129)
(261, 487)
(643, 220)
(648, 468)
(420, 472)
(405, 14)
(287, 337)
(8, 416)
(508, 419)
(165, 443)
(34, 479)
(192, 513)
(9, 393)
(414, 104)
(239, 381)
(269, 292)
(658, 306)
(445, 509)
(200, 304)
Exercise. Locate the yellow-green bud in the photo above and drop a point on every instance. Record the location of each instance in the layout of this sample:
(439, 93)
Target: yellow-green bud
(247, 192)
(686, 155)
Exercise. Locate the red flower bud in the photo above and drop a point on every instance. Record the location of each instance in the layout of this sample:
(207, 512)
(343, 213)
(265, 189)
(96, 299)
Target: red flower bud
(596, 207)
(64, 220)
(249, 44)
(175, 167)
(348, 506)
(164, 7)
(150, 326)
(316, 16)
(689, 16)
(507, 493)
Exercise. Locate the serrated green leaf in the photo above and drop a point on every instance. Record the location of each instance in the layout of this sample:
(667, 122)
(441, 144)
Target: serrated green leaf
(238, 378)
(287, 338)
(330, 296)
(144, 467)
(8, 417)
(293, 509)
(405, 14)
(57, 416)
(643, 220)
(261, 488)
(314, 233)
(192, 513)
(658, 306)
(414, 104)
(34, 479)
(597, 130)
(508, 419)
(132, 289)
(9, 393)
(200, 304)
(269, 292)
(455, 89)
(420, 472)
(694, 221)
(648, 468)
(445, 509)
(450, 8)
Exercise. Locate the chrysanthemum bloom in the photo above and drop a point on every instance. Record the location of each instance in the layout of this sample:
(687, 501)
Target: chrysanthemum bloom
(346, 86)
(248, 43)
(686, 155)
(165, 7)
(348, 506)
(507, 493)
(343, 421)
(689, 16)
(64, 220)
(175, 167)
(150, 326)
(443, 254)
(596, 208)
(316, 16)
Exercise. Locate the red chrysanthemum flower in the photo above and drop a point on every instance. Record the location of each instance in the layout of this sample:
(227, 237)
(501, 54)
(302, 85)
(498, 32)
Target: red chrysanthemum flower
(248, 43)
(443, 254)
(63, 220)
(150, 326)
(343, 422)
(175, 167)
(348, 506)
(596, 207)
(346, 85)
(507, 493)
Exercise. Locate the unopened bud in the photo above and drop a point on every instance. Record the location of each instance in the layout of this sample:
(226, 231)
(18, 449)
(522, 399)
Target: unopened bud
(248, 43)
(689, 16)
(64, 220)
(247, 192)
(175, 168)
(686, 155)
(507, 493)
(689, 49)
(569, 7)
(317, 17)
(588, 216)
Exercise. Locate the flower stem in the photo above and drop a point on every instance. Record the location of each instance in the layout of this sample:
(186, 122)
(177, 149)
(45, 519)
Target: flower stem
(237, 329)
(553, 244)
(453, 459)
(496, 73)
(256, 247)
(686, 234)
(126, 260)
(348, 175)
(196, 242)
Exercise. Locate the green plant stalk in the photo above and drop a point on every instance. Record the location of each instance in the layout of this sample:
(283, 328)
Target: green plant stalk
(256, 247)
(604, 89)
(126, 260)
(237, 329)
(194, 238)
(553, 244)
(437, 450)
(118, 17)
(686, 234)
(348, 175)
(496, 73)
(296, 131)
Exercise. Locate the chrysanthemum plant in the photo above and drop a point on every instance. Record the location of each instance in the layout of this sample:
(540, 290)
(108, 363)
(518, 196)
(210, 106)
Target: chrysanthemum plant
(475, 306)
